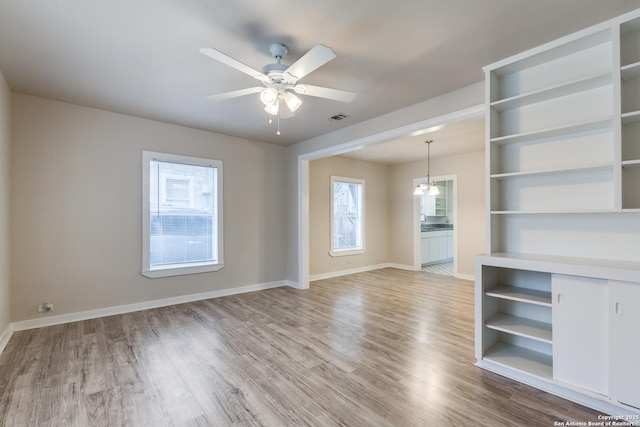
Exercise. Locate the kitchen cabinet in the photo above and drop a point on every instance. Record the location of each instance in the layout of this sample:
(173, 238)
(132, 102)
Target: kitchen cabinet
(437, 205)
(424, 249)
(429, 203)
(450, 245)
(436, 246)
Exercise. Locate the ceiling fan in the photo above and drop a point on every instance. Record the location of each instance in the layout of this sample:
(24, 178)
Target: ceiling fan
(280, 82)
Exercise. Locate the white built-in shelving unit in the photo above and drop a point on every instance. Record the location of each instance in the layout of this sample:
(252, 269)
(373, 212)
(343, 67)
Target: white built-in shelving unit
(563, 217)
(565, 325)
(517, 329)
(535, 129)
(630, 113)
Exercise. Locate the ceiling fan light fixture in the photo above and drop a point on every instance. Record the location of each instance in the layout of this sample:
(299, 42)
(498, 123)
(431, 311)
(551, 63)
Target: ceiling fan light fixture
(292, 101)
(272, 109)
(269, 96)
(281, 81)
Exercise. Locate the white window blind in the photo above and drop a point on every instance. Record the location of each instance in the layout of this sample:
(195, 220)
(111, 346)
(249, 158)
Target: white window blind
(347, 220)
(182, 224)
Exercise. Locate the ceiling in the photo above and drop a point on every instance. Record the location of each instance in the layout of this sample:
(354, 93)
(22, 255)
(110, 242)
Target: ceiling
(450, 139)
(141, 57)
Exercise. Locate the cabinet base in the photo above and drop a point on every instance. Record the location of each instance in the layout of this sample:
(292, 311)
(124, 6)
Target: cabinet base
(582, 397)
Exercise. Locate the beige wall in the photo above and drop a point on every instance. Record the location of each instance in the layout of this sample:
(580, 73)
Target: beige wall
(389, 211)
(376, 215)
(470, 225)
(76, 208)
(5, 108)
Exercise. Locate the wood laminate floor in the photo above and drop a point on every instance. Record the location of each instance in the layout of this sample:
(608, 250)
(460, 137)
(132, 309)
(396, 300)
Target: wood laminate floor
(382, 348)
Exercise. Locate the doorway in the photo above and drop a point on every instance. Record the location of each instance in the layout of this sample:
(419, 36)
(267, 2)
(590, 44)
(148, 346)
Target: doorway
(301, 232)
(435, 227)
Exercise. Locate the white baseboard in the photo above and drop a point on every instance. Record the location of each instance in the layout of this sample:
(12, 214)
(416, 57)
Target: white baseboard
(402, 267)
(470, 277)
(294, 285)
(465, 276)
(592, 400)
(5, 336)
(110, 311)
(339, 273)
(374, 267)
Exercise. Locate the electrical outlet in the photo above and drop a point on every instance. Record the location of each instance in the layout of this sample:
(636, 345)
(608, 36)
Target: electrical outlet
(45, 306)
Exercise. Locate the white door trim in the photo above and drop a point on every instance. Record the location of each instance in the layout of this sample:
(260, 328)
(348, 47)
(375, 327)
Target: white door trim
(417, 251)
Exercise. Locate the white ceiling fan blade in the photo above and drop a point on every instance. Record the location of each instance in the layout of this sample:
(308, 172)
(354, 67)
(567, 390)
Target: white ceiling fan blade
(235, 93)
(316, 57)
(325, 92)
(233, 63)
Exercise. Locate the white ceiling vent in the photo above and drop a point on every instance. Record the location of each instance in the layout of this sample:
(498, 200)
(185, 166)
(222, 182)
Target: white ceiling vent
(338, 117)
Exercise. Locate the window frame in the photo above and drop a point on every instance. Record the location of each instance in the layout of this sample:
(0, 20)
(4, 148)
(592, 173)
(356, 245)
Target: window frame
(185, 268)
(334, 252)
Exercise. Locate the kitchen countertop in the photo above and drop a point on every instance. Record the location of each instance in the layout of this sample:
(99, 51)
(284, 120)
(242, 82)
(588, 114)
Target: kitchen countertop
(435, 227)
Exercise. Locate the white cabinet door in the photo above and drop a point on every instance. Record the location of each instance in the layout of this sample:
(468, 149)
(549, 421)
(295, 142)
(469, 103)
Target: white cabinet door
(429, 205)
(438, 248)
(625, 342)
(580, 323)
(450, 246)
(424, 250)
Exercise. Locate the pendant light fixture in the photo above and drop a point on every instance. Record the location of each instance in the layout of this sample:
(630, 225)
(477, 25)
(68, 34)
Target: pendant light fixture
(430, 187)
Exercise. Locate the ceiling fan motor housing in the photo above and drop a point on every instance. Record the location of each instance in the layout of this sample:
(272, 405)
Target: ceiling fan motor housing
(275, 71)
(278, 51)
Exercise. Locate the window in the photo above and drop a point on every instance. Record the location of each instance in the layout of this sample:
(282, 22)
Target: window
(177, 192)
(347, 218)
(182, 215)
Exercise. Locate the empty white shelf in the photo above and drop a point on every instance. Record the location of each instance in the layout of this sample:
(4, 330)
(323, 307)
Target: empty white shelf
(521, 359)
(514, 293)
(553, 132)
(631, 71)
(523, 327)
(552, 92)
(588, 168)
(549, 212)
(630, 117)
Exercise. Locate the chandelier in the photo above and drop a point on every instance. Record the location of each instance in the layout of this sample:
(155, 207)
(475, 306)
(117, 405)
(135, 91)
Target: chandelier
(430, 186)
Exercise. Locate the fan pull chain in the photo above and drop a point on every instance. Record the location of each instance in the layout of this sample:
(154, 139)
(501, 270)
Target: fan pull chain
(271, 121)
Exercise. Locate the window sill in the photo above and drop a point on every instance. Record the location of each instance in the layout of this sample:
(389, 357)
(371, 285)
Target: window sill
(346, 252)
(181, 269)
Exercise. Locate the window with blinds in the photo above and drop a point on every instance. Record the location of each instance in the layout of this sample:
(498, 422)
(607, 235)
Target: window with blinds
(347, 219)
(182, 215)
